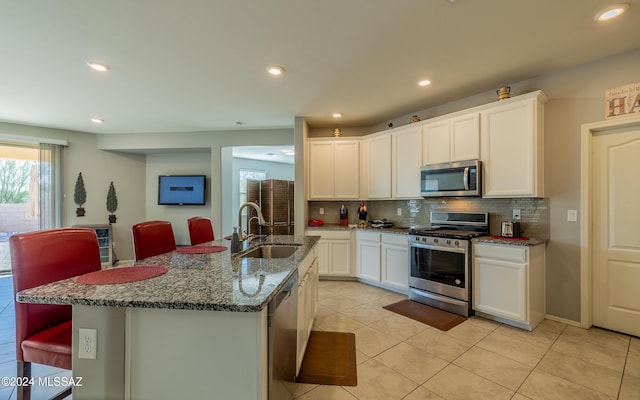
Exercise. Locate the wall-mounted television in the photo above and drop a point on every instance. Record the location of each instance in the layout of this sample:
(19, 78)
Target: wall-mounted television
(182, 189)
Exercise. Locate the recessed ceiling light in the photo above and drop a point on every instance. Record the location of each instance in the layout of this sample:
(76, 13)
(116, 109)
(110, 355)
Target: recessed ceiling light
(424, 82)
(336, 115)
(611, 12)
(97, 121)
(98, 66)
(275, 70)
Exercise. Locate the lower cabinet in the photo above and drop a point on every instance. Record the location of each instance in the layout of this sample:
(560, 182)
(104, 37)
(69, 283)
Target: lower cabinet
(307, 305)
(334, 252)
(383, 259)
(508, 283)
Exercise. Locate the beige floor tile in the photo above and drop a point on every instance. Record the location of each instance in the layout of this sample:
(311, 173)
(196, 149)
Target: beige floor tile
(468, 332)
(439, 344)
(594, 353)
(415, 364)
(526, 353)
(600, 337)
(376, 381)
(632, 366)
(635, 345)
(373, 342)
(538, 336)
(542, 386)
(496, 368)
(483, 322)
(338, 303)
(388, 299)
(360, 356)
(324, 311)
(455, 383)
(422, 393)
(584, 373)
(553, 326)
(398, 326)
(630, 389)
(365, 313)
(518, 396)
(327, 392)
(337, 323)
(298, 389)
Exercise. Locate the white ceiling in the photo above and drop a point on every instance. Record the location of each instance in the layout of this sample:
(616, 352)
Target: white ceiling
(199, 65)
(265, 153)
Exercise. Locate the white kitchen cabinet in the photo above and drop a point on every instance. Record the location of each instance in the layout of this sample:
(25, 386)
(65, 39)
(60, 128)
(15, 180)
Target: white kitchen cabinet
(395, 261)
(406, 145)
(307, 304)
(508, 283)
(451, 139)
(333, 170)
(383, 260)
(512, 147)
(379, 166)
(335, 256)
(368, 256)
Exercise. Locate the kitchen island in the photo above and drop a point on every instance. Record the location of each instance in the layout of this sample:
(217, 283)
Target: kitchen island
(198, 331)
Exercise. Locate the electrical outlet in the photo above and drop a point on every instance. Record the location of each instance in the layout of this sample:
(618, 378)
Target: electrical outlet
(321, 211)
(516, 214)
(87, 343)
(399, 211)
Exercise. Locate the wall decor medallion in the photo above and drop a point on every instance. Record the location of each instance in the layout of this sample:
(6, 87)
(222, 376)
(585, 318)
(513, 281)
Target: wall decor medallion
(414, 118)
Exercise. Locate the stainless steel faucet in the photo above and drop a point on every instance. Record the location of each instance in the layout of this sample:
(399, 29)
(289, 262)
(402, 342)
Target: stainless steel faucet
(261, 220)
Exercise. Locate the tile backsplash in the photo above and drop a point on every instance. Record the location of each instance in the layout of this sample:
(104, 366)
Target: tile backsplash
(534, 220)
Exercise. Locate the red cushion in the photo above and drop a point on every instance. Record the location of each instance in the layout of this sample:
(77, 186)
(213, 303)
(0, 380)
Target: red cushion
(200, 230)
(50, 347)
(152, 238)
(47, 256)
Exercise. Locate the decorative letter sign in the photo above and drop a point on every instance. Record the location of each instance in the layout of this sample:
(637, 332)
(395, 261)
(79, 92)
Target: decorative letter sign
(622, 101)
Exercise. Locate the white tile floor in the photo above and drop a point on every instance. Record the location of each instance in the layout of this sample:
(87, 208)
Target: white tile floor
(399, 358)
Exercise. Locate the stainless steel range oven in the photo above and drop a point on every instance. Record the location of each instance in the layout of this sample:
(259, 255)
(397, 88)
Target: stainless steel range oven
(440, 270)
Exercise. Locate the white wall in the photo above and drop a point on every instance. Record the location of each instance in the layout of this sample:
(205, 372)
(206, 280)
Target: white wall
(176, 163)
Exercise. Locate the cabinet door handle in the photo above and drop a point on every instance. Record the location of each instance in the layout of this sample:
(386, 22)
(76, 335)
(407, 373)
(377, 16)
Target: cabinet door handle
(465, 178)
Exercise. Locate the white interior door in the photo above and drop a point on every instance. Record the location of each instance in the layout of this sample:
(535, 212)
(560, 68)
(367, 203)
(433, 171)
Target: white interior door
(615, 238)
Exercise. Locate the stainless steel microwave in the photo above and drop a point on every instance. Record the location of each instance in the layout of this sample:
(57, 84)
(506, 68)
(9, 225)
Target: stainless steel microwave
(453, 179)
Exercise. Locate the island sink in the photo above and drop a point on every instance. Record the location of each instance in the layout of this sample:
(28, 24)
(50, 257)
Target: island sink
(269, 251)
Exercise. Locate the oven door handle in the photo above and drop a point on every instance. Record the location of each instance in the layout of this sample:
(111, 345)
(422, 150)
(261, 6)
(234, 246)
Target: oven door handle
(437, 248)
(465, 178)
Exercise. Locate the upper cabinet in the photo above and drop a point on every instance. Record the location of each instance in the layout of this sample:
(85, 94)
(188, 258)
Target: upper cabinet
(378, 166)
(512, 135)
(334, 169)
(406, 148)
(451, 139)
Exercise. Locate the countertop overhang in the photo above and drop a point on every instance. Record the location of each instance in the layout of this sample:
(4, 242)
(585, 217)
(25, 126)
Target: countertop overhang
(214, 281)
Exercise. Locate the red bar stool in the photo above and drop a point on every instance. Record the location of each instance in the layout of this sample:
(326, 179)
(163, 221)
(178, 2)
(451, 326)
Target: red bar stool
(200, 230)
(43, 331)
(151, 238)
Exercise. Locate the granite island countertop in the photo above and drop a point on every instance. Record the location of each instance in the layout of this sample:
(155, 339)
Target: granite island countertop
(337, 227)
(215, 281)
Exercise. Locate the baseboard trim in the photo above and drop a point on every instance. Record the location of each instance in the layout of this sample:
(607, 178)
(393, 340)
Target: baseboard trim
(563, 320)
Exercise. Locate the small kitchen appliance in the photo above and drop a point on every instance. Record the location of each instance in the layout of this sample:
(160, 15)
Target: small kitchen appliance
(452, 179)
(510, 229)
(440, 260)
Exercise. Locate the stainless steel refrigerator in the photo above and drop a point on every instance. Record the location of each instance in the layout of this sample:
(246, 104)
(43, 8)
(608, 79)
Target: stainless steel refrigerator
(275, 198)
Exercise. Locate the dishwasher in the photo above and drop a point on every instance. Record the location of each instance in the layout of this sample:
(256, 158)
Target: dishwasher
(282, 336)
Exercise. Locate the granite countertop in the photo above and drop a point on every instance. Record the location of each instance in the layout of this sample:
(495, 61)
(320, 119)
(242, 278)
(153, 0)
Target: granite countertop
(509, 241)
(337, 227)
(215, 281)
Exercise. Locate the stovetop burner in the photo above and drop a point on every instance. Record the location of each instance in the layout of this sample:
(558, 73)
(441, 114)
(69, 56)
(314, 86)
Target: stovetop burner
(455, 225)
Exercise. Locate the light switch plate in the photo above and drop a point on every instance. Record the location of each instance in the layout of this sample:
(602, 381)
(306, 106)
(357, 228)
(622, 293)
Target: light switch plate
(572, 215)
(399, 211)
(321, 211)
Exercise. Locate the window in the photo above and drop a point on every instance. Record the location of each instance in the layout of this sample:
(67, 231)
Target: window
(249, 174)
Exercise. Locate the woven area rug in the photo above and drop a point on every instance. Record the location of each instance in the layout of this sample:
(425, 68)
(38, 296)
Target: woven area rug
(330, 359)
(440, 319)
